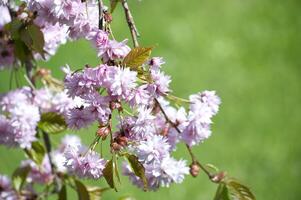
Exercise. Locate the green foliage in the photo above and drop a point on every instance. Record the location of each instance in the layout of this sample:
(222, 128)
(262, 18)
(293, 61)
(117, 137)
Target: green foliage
(27, 37)
(82, 191)
(231, 189)
(108, 173)
(137, 56)
(222, 192)
(36, 152)
(95, 192)
(19, 177)
(37, 38)
(52, 123)
(126, 198)
(138, 168)
(238, 190)
(63, 193)
(113, 4)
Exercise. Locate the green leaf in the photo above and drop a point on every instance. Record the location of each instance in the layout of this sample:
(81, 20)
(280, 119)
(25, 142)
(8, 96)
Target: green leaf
(238, 190)
(52, 123)
(96, 192)
(116, 170)
(63, 193)
(82, 191)
(127, 198)
(36, 153)
(20, 50)
(138, 169)
(108, 173)
(113, 4)
(26, 38)
(19, 177)
(137, 56)
(37, 37)
(222, 192)
(14, 27)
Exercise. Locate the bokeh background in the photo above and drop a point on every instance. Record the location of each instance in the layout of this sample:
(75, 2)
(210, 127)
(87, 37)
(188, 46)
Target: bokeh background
(246, 50)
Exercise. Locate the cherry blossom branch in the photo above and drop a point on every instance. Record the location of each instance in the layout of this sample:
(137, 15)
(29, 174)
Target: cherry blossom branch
(193, 157)
(131, 23)
(135, 34)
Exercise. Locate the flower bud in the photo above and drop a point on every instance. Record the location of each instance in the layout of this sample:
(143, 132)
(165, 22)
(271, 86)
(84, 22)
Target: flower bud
(103, 132)
(115, 146)
(218, 177)
(116, 105)
(122, 140)
(194, 169)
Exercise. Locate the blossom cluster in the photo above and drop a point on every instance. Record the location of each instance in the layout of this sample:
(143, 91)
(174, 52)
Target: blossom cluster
(83, 162)
(59, 22)
(89, 165)
(21, 111)
(146, 132)
(74, 19)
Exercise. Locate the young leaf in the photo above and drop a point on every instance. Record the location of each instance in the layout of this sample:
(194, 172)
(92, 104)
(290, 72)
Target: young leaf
(137, 56)
(52, 123)
(36, 153)
(82, 191)
(138, 169)
(63, 193)
(113, 4)
(19, 177)
(108, 173)
(222, 192)
(239, 191)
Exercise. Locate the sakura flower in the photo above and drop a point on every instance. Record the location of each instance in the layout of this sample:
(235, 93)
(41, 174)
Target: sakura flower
(139, 96)
(84, 163)
(195, 132)
(154, 148)
(143, 126)
(116, 50)
(160, 85)
(99, 40)
(155, 63)
(122, 82)
(79, 117)
(207, 98)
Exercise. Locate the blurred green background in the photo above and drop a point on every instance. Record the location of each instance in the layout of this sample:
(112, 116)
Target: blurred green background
(246, 50)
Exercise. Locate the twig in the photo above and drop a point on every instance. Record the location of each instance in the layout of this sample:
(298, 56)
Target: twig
(29, 71)
(100, 14)
(48, 149)
(131, 23)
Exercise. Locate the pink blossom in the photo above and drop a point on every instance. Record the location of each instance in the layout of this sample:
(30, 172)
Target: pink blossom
(78, 118)
(116, 50)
